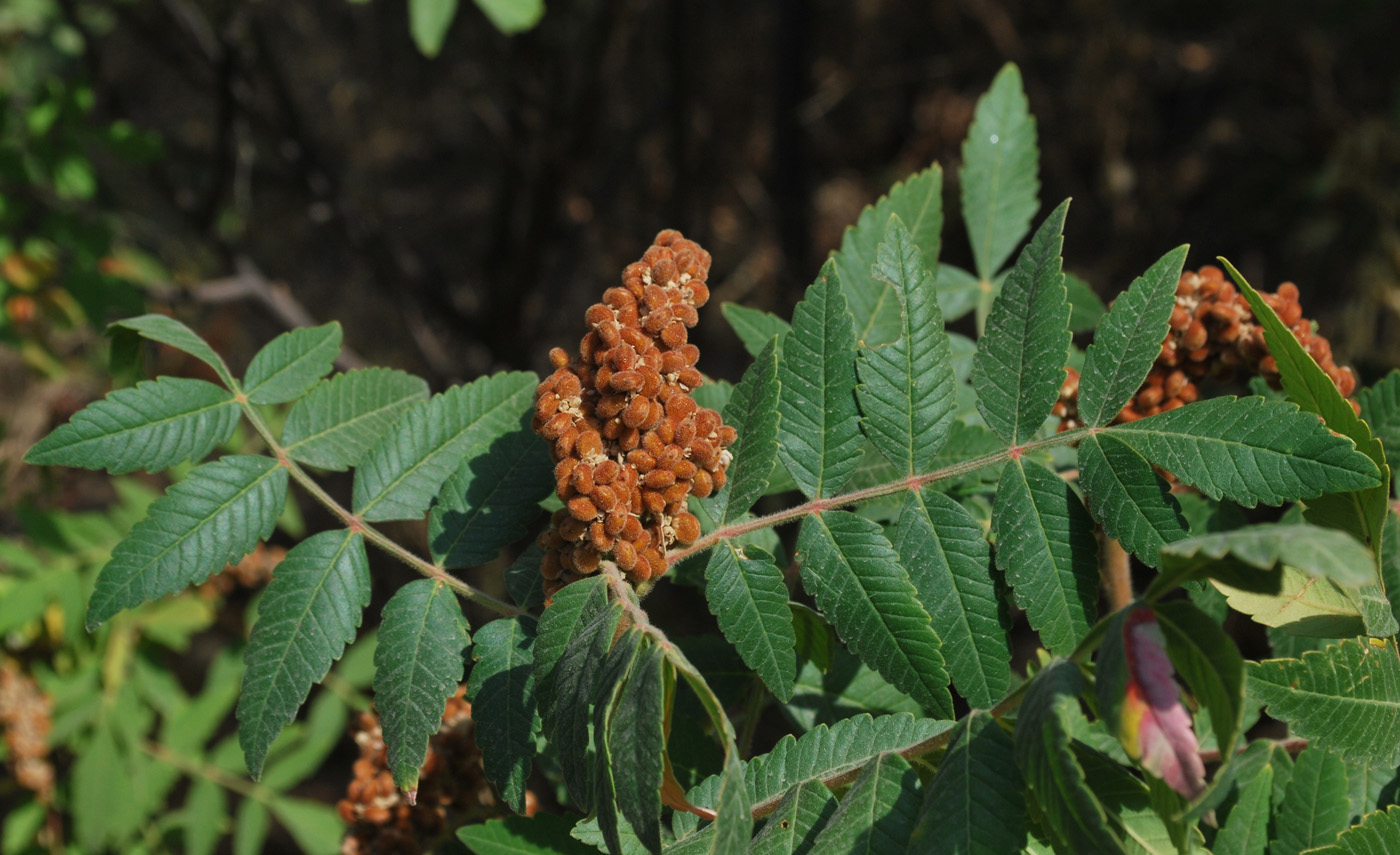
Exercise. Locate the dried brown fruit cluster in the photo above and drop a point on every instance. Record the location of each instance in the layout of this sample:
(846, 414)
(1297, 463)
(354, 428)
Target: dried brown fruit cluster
(26, 714)
(1213, 333)
(452, 789)
(630, 444)
(254, 571)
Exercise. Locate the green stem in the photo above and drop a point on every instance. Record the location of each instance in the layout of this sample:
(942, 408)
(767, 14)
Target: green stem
(190, 766)
(909, 483)
(354, 523)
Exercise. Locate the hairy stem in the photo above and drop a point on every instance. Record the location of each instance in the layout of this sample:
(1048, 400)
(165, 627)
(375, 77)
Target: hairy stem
(354, 523)
(855, 497)
(1115, 568)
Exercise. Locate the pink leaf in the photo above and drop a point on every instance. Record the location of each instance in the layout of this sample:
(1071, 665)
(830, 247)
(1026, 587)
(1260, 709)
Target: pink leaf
(1156, 728)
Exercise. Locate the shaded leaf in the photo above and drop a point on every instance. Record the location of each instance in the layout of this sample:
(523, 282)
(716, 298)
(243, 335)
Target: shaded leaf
(608, 771)
(290, 364)
(1246, 829)
(958, 291)
(793, 827)
(819, 433)
(418, 664)
(152, 426)
(543, 834)
(754, 327)
(523, 579)
(512, 16)
(949, 563)
(167, 330)
(854, 574)
(638, 744)
(342, 418)
(906, 386)
(753, 411)
(310, 612)
(1380, 408)
(1047, 549)
(734, 819)
(401, 475)
(1085, 306)
(1211, 666)
(502, 693)
(1019, 366)
(1314, 807)
(878, 813)
(974, 805)
(428, 21)
(573, 608)
(1134, 504)
(748, 596)
(212, 518)
(845, 688)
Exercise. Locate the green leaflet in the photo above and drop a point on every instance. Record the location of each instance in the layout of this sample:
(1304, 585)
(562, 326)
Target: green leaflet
(167, 330)
(1019, 366)
(315, 827)
(878, 813)
(748, 596)
(1210, 664)
(819, 433)
(542, 834)
(734, 819)
(854, 574)
(400, 476)
(847, 687)
(1128, 340)
(1380, 408)
(428, 21)
(577, 682)
(1302, 605)
(1345, 700)
(417, 666)
(1085, 306)
(1246, 829)
(754, 327)
(1047, 549)
(753, 411)
(152, 426)
(822, 753)
(974, 805)
(212, 518)
(793, 827)
(512, 16)
(1135, 506)
(502, 693)
(949, 563)
(1127, 803)
(637, 744)
(490, 500)
(290, 364)
(958, 291)
(574, 606)
(342, 418)
(1314, 807)
(523, 579)
(906, 386)
(1048, 717)
(918, 202)
(1249, 451)
(1000, 173)
(610, 772)
(1238, 556)
(1378, 834)
(310, 612)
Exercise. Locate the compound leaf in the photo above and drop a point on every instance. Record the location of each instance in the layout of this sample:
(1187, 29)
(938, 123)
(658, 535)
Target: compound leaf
(949, 564)
(1345, 699)
(1019, 366)
(310, 612)
(819, 433)
(749, 598)
(417, 666)
(854, 574)
(502, 693)
(490, 500)
(342, 418)
(906, 386)
(1000, 173)
(399, 477)
(1249, 450)
(974, 805)
(1128, 340)
(212, 518)
(918, 202)
(1135, 506)
(878, 813)
(291, 363)
(152, 426)
(1047, 549)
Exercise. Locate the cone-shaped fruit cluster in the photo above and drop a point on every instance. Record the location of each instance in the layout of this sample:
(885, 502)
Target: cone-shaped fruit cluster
(630, 444)
(1213, 333)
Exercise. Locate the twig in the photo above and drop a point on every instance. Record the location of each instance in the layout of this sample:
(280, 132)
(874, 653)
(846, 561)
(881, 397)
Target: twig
(1115, 569)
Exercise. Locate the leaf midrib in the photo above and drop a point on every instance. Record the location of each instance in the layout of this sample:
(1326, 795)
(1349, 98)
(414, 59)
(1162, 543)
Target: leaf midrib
(150, 425)
(352, 421)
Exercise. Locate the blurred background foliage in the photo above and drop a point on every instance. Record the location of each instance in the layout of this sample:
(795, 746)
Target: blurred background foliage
(456, 183)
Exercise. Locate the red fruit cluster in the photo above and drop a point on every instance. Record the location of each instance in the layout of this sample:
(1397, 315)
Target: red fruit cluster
(630, 444)
(452, 789)
(1214, 334)
(26, 715)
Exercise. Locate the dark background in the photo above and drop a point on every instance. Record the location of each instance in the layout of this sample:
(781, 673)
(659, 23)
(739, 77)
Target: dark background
(457, 214)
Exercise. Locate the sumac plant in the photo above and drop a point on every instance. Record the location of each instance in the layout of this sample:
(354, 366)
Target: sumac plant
(916, 496)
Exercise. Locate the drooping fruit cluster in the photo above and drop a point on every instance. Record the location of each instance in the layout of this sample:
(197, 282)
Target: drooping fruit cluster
(1214, 334)
(630, 444)
(26, 715)
(452, 789)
